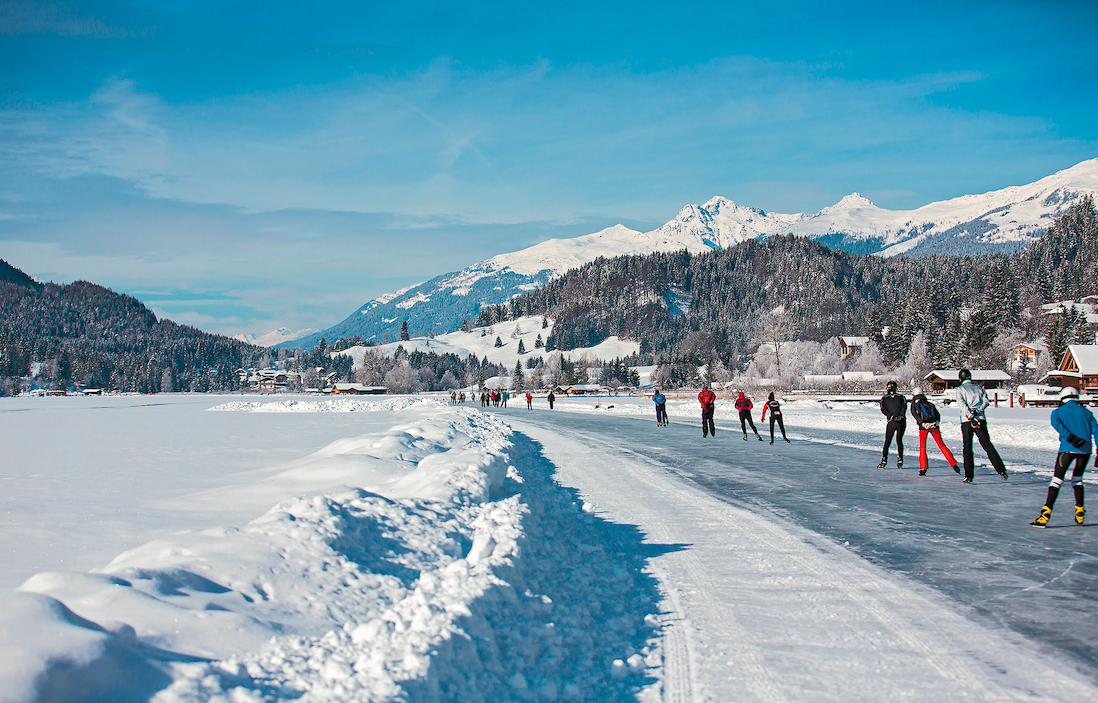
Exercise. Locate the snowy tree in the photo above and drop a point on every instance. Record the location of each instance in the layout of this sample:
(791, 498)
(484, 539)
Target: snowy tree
(774, 328)
(404, 334)
(829, 358)
(539, 343)
(519, 383)
(869, 360)
(402, 378)
(499, 343)
(521, 347)
(917, 364)
(465, 327)
(448, 381)
(516, 332)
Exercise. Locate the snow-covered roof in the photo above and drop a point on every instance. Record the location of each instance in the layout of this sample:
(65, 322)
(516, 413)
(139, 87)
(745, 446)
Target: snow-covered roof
(853, 341)
(977, 375)
(1086, 358)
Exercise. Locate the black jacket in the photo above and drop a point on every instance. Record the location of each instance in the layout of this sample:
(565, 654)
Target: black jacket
(894, 407)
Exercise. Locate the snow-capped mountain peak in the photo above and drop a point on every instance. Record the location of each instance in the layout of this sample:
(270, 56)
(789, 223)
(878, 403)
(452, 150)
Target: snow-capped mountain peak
(1000, 220)
(854, 201)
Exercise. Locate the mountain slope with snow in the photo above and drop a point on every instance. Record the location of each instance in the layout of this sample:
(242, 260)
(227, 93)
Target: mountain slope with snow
(998, 221)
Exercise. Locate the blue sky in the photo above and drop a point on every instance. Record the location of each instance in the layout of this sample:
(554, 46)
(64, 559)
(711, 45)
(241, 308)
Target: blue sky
(246, 165)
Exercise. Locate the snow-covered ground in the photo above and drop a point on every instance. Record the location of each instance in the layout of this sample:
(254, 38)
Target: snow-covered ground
(186, 548)
(481, 342)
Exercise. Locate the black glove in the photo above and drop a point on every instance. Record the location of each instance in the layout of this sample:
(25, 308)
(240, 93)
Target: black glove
(975, 422)
(1077, 442)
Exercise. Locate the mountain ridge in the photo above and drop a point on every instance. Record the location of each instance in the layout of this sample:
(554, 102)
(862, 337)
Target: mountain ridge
(999, 221)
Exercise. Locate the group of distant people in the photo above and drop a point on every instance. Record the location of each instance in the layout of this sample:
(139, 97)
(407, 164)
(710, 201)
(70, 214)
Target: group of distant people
(1076, 426)
(708, 400)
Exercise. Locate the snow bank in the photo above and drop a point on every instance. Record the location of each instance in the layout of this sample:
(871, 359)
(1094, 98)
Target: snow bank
(334, 405)
(463, 573)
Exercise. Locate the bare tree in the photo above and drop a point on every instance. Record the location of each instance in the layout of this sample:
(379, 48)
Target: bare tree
(774, 329)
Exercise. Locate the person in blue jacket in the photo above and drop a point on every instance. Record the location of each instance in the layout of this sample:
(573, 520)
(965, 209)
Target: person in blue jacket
(661, 408)
(1077, 427)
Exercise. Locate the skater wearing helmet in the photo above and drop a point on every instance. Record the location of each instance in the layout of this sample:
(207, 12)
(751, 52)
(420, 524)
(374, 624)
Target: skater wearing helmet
(927, 418)
(775, 409)
(973, 402)
(744, 405)
(893, 407)
(708, 400)
(1077, 427)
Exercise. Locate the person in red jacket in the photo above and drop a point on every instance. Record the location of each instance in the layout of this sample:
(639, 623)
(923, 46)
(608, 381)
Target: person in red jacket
(529, 401)
(744, 405)
(708, 400)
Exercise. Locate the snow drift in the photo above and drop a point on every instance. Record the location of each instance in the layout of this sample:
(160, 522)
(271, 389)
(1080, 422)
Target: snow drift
(433, 561)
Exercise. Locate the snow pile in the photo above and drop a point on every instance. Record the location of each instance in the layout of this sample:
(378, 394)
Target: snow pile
(334, 405)
(448, 566)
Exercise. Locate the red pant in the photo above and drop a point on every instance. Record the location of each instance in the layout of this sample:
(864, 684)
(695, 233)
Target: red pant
(937, 435)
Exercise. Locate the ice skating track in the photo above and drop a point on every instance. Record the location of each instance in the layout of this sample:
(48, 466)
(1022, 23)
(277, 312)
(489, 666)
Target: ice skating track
(759, 608)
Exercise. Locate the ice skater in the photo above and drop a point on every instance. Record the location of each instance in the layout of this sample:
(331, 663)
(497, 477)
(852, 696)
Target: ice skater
(775, 409)
(744, 405)
(661, 408)
(893, 407)
(973, 401)
(708, 400)
(1076, 426)
(928, 419)
(552, 398)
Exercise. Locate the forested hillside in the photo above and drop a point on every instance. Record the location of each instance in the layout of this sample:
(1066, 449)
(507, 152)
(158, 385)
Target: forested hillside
(90, 336)
(959, 303)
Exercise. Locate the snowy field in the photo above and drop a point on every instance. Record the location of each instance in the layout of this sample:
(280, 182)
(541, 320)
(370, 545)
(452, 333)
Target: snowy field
(220, 548)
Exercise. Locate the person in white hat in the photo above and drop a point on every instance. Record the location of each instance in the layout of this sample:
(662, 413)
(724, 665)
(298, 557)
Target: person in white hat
(1077, 427)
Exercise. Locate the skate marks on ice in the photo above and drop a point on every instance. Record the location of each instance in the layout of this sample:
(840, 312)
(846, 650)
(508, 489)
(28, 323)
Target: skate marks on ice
(775, 612)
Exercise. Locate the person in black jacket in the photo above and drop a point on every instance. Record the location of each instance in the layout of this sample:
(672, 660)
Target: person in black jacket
(928, 420)
(894, 407)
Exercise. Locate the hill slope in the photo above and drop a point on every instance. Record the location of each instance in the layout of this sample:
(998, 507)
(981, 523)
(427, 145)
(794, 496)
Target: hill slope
(89, 335)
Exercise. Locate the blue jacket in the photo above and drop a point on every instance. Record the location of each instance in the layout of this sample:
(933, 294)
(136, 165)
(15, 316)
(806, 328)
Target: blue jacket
(1072, 418)
(659, 399)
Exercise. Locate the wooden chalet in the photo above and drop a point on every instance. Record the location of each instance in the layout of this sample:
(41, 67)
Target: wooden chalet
(1078, 368)
(943, 379)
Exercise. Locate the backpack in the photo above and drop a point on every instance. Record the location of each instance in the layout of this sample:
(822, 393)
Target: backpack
(929, 413)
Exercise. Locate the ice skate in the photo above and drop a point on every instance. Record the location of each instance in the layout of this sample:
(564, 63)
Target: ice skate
(967, 480)
(1080, 514)
(759, 436)
(745, 438)
(884, 462)
(899, 462)
(922, 472)
(1003, 474)
(1042, 519)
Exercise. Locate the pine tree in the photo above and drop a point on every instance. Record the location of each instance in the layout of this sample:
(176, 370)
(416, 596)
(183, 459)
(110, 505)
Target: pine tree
(519, 383)
(404, 334)
(499, 342)
(539, 343)
(521, 347)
